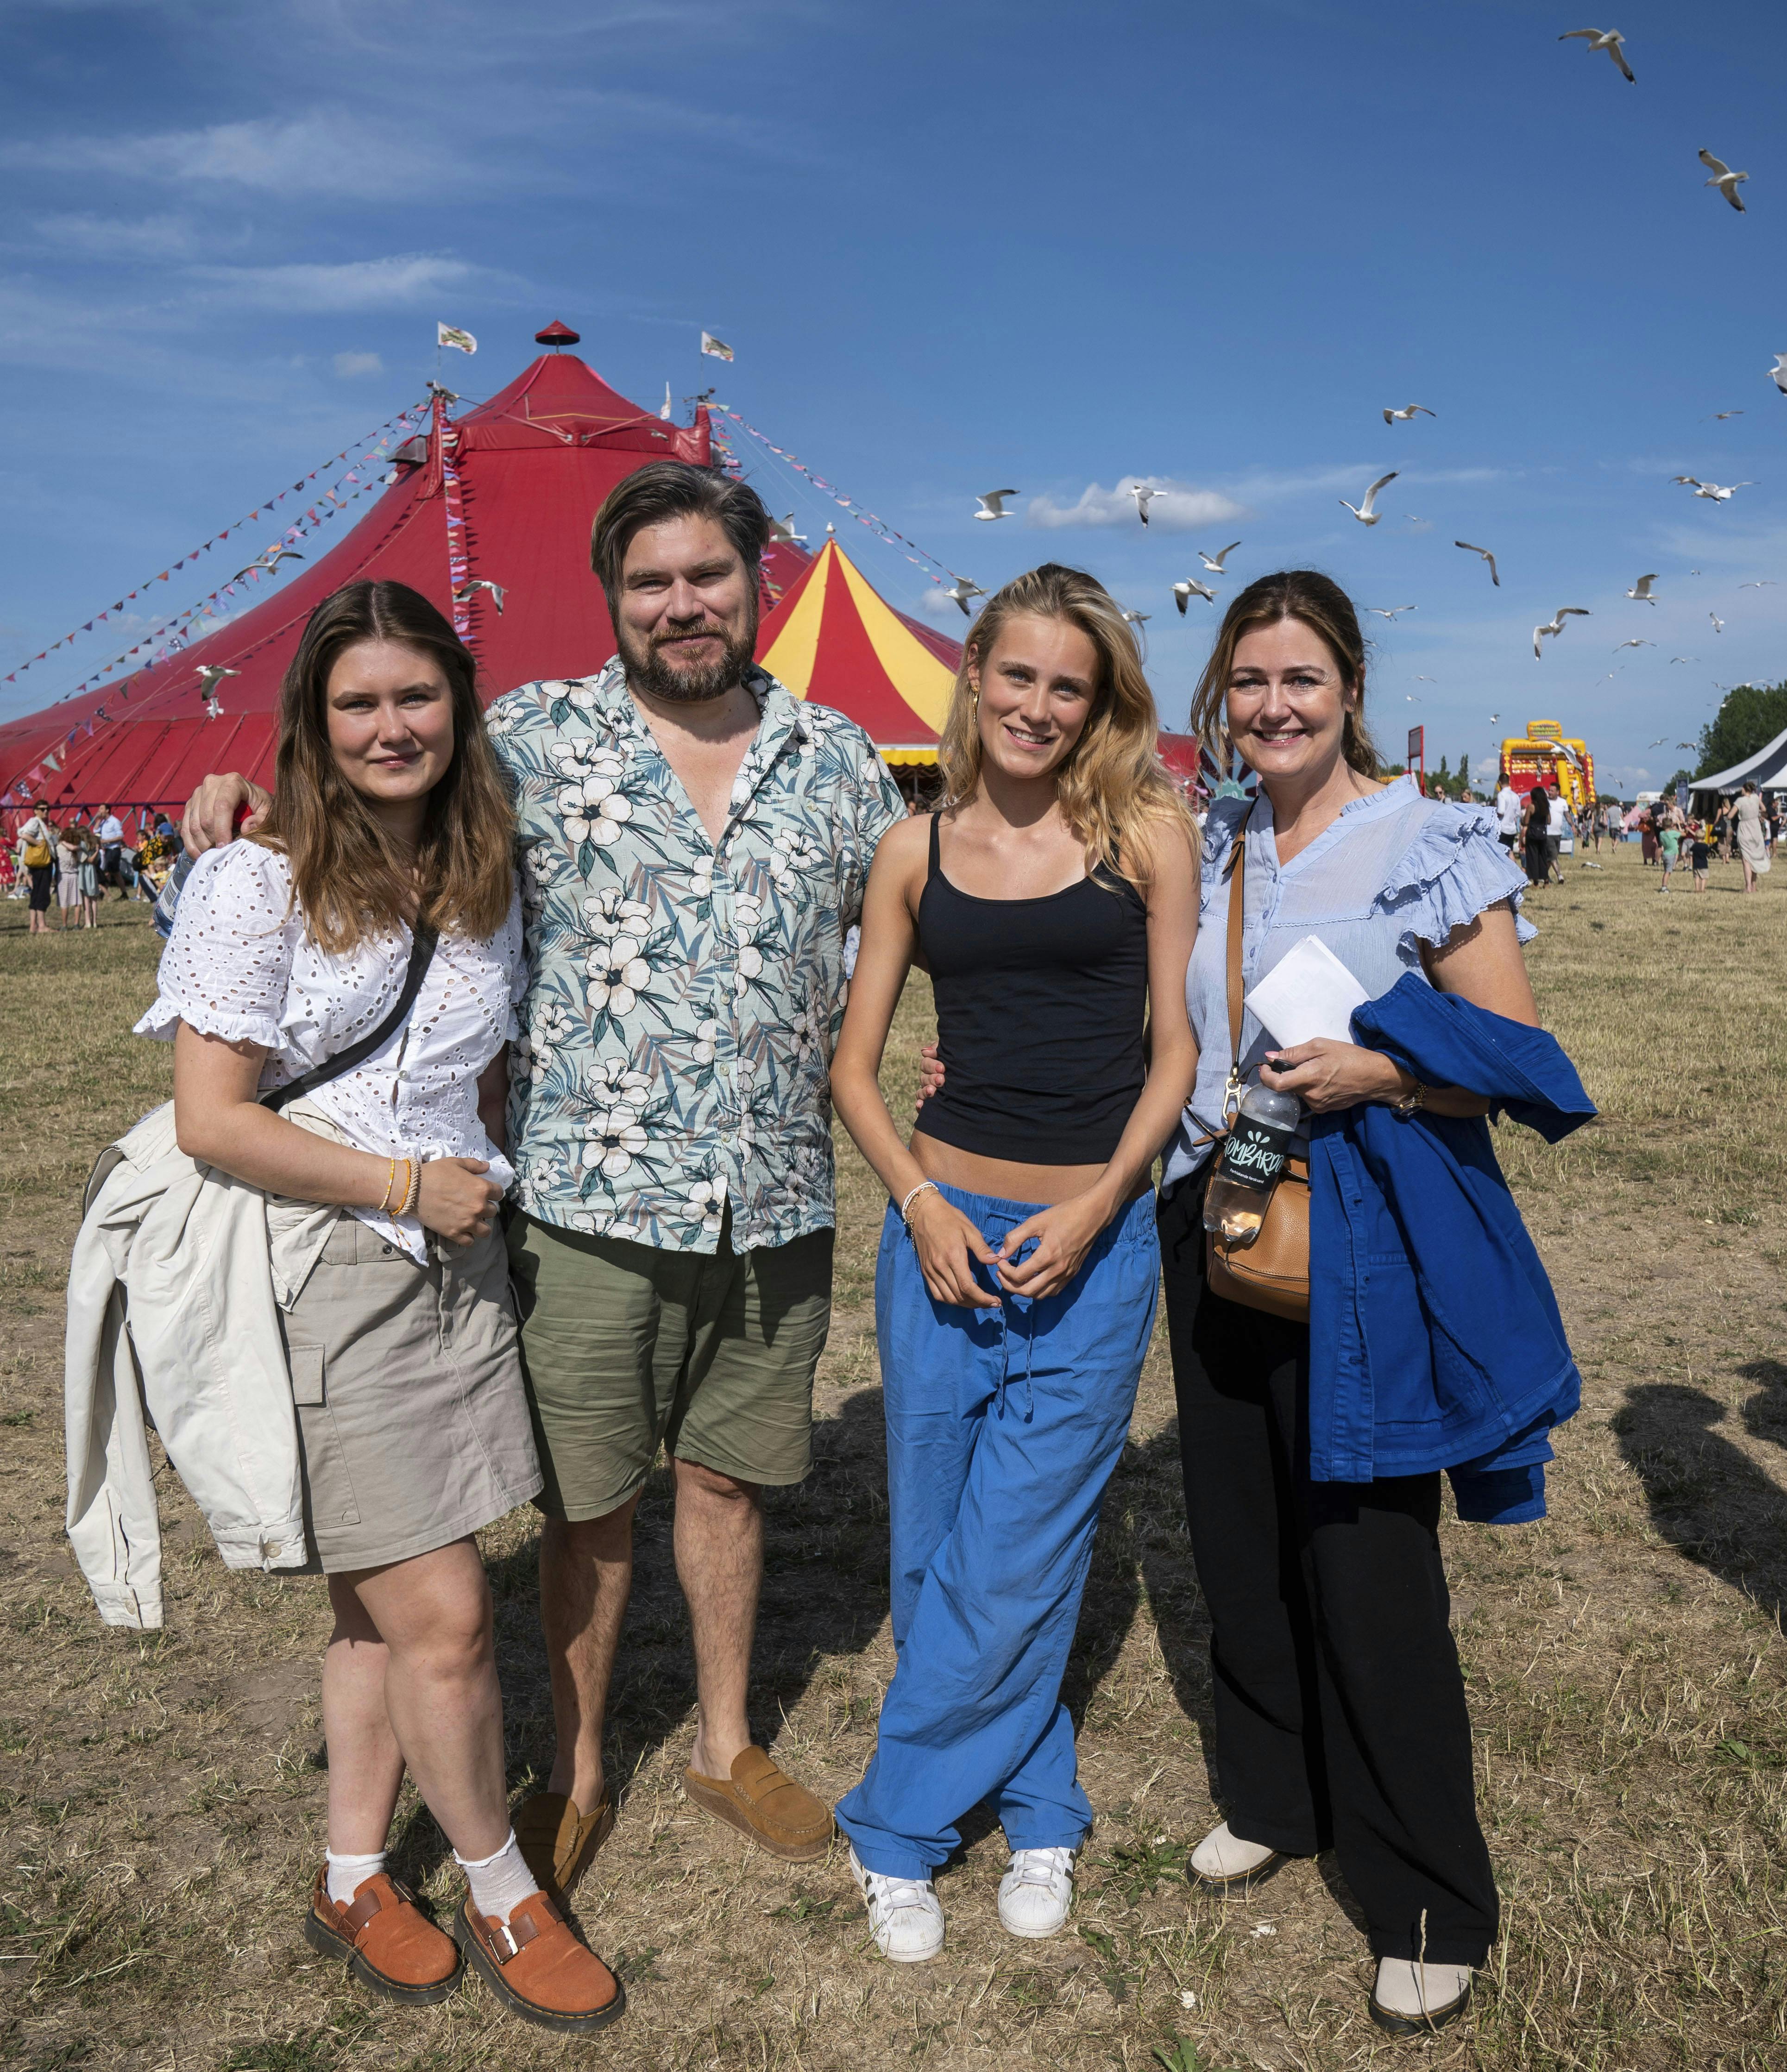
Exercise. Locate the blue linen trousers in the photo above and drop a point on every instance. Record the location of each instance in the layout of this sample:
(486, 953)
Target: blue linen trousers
(1003, 1426)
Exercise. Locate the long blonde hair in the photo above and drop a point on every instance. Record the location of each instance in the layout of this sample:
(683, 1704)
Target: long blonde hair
(1320, 604)
(1113, 788)
(347, 877)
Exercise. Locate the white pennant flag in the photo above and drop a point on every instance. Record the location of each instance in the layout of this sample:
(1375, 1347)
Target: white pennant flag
(462, 341)
(714, 348)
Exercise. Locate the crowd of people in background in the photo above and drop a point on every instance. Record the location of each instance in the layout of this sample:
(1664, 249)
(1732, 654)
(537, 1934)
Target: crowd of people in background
(69, 866)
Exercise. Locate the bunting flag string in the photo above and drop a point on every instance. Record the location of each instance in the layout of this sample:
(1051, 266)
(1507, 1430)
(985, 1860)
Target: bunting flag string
(458, 563)
(405, 421)
(920, 558)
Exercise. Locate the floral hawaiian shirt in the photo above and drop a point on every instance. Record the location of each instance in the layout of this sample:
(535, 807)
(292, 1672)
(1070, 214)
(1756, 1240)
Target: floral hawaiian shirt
(685, 995)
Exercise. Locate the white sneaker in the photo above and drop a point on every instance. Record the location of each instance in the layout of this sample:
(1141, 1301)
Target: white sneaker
(1410, 1998)
(1223, 1859)
(904, 1917)
(1036, 1893)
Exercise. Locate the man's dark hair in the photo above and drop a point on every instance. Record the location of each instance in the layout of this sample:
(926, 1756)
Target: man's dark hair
(664, 489)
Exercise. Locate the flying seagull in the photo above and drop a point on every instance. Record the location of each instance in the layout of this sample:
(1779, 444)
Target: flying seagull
(1777, 373)
(1766, 582)
(213, 673)
(1137, 618)
(1711, 489)
(782, 532)
(1640, 589)
(1723, 178)
(269, 560)
(1378, 611)
(1604, 40)
(1635, 644)
(497, 593)
(1564, 611)
(1363, 512)
(1487, 556)
(1718, 623)
(1144, 497)
(1213, 562)
(992, 505)
(1719, 417)
(1658, 743)
(1683, 658)
(1184, 592)
(1407, 412)
(963, 590)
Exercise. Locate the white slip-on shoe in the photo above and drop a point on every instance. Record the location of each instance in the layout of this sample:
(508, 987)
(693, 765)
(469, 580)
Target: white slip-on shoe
(1036, 1893)
(1414, 2000)
(1225, 1863)
(904, 1917)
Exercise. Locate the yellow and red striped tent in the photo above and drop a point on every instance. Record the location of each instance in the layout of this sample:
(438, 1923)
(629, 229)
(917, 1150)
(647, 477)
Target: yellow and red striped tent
(832, 639)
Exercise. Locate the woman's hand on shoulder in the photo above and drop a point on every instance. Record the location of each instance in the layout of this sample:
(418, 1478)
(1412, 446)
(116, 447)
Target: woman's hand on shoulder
(948, 1246)
(457, 1203)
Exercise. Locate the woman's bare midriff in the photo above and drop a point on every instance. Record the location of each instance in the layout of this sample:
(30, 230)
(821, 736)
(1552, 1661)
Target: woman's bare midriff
(1006, 1179)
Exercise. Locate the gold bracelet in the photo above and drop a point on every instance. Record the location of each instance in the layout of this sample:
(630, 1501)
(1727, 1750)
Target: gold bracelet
(390, 1181)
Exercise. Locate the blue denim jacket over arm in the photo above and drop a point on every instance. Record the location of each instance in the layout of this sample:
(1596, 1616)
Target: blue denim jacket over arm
(1435, 1341)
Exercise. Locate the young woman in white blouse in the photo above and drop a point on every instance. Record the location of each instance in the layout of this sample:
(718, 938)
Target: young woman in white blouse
(389, 818)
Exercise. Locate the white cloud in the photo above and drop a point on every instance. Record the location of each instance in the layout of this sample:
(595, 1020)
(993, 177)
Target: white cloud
(1179, 506)
(399, 282)
(152, 238)
(349, 365)
(323, 153)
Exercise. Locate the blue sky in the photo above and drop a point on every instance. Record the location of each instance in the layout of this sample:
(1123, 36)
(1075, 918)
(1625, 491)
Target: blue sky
(1052, 247)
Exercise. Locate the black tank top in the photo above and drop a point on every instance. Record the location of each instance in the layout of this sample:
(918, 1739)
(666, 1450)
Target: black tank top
(1040, 1006)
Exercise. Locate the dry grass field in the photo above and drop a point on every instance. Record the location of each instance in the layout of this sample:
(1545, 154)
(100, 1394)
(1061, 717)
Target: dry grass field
(161, 1799)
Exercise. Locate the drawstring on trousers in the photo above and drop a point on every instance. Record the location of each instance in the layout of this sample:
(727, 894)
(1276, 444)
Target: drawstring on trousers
(1005, 1302)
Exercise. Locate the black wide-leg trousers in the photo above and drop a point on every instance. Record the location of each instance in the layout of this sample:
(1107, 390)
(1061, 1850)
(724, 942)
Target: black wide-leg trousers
(1340, 1706)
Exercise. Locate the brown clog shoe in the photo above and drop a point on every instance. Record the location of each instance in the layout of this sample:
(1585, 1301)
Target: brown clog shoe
(538, 1968)
(760, 1801)
(389, 1943)
(558, 1841)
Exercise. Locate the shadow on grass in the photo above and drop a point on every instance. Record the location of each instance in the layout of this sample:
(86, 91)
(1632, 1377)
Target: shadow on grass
(1707, 1498)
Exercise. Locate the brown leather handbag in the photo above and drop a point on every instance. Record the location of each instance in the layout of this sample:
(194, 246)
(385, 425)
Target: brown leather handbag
(1272, 1273)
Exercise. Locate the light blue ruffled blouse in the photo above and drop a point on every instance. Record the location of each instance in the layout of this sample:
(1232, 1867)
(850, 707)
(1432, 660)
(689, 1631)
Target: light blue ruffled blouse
(1394, 871)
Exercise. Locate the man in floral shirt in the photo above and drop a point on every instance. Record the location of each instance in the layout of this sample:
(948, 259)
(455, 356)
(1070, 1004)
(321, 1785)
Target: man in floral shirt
(694, 842)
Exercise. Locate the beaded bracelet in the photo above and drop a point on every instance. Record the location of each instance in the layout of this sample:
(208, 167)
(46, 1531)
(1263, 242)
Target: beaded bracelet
(390, 1181)
(906, 1206)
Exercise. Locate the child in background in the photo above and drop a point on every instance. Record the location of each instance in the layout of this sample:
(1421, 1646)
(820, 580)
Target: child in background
(1699, 852)
(87, 871)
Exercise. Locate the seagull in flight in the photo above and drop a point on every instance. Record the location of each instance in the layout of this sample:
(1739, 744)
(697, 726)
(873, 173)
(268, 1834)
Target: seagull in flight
(964, 590)
(1635, 644)
(463, 595)
(1640, 589)
(1718, 623)
(269, 560)
(1719, 417)
(1407, 412)
(211, 674)
(1658, 743)
(1377, 611)
(1723, 178)
(992, 505)
(1711, 489)
(1608, 40)
(1144, 497)
(1184, 592)
(1777, 373)
(1365, 512)
(1484, 551)
(782, 532)
(1683, 658)
(1765, 583)
(1213, 562)
(1564, 611)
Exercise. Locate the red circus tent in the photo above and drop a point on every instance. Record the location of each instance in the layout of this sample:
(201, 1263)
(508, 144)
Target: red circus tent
(533, 464)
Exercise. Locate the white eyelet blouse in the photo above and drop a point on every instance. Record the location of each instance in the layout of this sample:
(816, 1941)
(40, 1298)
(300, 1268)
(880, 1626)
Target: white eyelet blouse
(240, 965)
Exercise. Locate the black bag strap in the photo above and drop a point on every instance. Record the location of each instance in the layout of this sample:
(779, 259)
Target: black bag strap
(422, 956)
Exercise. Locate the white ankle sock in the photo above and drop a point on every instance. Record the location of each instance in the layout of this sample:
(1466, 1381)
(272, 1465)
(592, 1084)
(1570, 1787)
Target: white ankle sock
(499, 1883)
(348, 1874)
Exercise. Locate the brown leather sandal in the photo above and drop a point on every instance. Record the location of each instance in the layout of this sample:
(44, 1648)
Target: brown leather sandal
(538, 1968)
(559, 1840)
(759, 1801)
(389, 1944)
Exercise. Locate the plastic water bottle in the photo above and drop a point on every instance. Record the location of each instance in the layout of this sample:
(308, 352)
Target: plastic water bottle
(1253, 1157)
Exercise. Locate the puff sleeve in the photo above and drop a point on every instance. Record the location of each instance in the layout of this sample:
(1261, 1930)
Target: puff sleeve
(1453, 870)
(227, 963)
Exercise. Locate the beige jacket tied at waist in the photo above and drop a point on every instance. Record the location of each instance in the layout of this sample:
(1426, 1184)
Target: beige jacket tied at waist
(177, 1278)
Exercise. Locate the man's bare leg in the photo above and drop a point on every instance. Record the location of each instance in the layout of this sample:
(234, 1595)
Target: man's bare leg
(586, 1577)
(720, 1547)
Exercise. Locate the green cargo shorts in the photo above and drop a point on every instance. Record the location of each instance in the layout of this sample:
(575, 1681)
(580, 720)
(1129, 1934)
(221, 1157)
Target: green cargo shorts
(624, 1346)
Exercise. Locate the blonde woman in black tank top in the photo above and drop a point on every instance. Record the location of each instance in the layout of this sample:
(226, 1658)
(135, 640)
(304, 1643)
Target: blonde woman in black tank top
(1054, 902)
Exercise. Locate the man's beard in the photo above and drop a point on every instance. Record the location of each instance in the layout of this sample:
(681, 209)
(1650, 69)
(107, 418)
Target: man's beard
(649, 670)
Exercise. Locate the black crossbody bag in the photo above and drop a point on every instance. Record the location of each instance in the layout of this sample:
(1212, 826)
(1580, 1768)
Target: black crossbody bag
(422, 956)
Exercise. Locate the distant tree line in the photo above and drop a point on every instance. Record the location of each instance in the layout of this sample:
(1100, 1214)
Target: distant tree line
(1748, 719)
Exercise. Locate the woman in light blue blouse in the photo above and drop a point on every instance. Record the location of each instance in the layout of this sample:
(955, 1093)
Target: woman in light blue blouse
(1340, 1707)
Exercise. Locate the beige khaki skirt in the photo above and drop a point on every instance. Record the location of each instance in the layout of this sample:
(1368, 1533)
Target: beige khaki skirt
(412, 1420)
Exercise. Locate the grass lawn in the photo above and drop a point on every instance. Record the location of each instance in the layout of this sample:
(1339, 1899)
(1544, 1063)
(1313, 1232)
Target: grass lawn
(161, 1796)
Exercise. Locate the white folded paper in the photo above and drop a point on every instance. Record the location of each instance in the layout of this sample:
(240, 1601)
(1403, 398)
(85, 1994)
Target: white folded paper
(1308, 994)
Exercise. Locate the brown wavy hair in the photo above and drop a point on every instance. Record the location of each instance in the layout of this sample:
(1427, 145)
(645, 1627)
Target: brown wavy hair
(347, 877)
(1113, 786)
(1317, 602)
